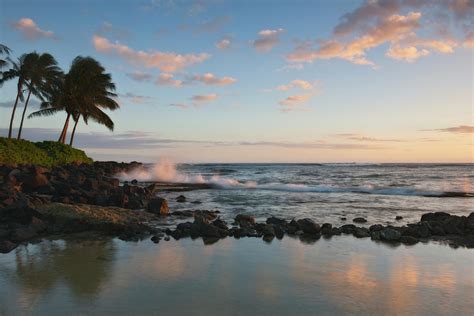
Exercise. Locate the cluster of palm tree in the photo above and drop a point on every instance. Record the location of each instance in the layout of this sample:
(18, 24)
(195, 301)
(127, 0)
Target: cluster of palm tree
(83, 92)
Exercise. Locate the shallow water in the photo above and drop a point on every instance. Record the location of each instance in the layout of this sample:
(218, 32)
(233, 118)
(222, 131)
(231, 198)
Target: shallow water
(236, 277)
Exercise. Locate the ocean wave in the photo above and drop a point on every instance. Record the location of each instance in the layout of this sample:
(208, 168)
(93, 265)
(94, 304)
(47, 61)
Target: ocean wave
(166, 171)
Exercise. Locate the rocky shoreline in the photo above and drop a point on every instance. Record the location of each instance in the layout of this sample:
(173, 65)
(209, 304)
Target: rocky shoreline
(37, 202)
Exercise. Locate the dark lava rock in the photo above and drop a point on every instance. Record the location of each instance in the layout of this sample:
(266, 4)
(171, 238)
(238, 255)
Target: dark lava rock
(276, 221)
(437, 216)
(390, 234)
(268, 238)
(181, 199)
(6, 246)
(348, 228)
(326, 229)
(156, 239)
(376, 227)
(375, 235)
(408, 240)
(398, 218)
(279, 232)
(343, 218)
(220, 223)
(22, 234)
(361, 232)
(158, 206)
(134, 182)
(308, 226)
(359, 220)
(245, 220)
(336, 231)
(167, 238)
(267, 230)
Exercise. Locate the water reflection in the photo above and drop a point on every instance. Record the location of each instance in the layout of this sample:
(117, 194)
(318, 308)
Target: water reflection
(248, 276)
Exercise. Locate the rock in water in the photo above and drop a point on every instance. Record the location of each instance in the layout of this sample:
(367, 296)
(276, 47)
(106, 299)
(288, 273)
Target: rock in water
(158, 206)
(181, 199)
(245, 220)
(308, 226)
(390, 234)
(359, 220)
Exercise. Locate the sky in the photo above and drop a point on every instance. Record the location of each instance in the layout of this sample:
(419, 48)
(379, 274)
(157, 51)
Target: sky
(261, 81)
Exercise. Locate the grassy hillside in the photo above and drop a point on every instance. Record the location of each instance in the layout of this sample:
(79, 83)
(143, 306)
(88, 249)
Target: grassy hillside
(45, 153)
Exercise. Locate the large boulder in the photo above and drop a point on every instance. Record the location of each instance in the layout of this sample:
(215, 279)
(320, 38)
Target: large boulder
(158, 206)
(308, 226)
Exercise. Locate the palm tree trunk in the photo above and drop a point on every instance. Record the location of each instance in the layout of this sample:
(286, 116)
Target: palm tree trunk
(73, 132)
(23, 115)
(62, 137)
(13, 115)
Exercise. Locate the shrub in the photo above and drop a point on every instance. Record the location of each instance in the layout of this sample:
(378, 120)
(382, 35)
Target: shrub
(45, 153)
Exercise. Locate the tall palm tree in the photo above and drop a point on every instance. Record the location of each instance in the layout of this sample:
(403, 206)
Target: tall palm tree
(86, 90)
(43, 74)
(19, 70)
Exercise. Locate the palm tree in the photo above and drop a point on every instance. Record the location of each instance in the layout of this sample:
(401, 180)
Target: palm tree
(86, 90)
(19, 70)
(4, 50)
(44, 73)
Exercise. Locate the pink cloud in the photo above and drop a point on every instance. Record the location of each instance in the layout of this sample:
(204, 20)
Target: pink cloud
(224, 43)
(302, 84)
(210, 79)
(166, 79)
(139, 76)
(30, 30)
(294, 101)
(200, 99)
(165, 61)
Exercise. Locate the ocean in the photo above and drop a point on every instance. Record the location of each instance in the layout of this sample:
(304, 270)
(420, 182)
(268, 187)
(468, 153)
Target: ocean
(322, 192)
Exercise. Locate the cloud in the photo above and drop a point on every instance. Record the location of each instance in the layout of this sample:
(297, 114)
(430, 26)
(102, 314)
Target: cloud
(302, 84)
(295, 100)
(267, 40)
(31, 31)
(363, 138)
(165, 61)
(139, 76)
(179, 105)
(135, 140)
(396, 23)
(224, 43)
(135, 98)
(461, 129)
(201, 99)
(211, 80)
(166, 79)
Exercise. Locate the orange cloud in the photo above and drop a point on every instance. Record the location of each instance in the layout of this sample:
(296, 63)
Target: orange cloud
(165, 61)
(30, 30)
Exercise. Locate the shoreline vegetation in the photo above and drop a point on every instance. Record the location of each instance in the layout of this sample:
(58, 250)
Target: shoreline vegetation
(38, 201)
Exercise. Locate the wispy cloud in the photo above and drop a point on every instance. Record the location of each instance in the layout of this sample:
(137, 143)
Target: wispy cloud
(108, 28)
(364, 138)
(135, 98)
(33, 103)
(298, 83)
(179, 105)
(135, 140)
(165, 61)
(201, 99)
(139, 76)
(267, 39)
(31, 31)
(293, 102)
(461, 129)
(166, 79)
(224, 43)
(211, 80)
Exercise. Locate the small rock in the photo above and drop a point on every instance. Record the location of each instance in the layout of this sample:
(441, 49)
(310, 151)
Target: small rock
(167, 238)
(156, 239)
(6, 246)
(390, 234)
(409, 240)
(245, 220)
(308, 226)
(361, 232)
(158, 206)
(359, 220)
(181, 199)
(398, 218)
